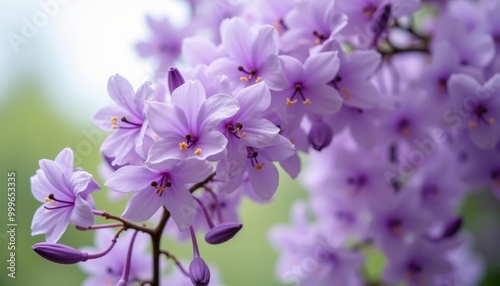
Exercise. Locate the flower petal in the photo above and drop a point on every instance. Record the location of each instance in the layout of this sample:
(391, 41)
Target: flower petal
(131, 179)
(324, 99)
(264, 181)
(190, 170)
(81, 214)
(321, 68)
(181, 205)
(189, 97)
(237, 39)
(166, 119)
(215, 109)
(260, 132)
(143, 205)
(253, 100)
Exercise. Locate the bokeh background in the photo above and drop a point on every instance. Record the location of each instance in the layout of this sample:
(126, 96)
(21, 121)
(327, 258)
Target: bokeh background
(53, 82)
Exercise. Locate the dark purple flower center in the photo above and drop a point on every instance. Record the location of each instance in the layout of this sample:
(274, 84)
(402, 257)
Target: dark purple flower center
(495, 176)
(235, 130)
(249, 74)
(190, 141)
(124, 123)
(443, 84)
(481, 113)
(403, 126)
(162, 184)
(357, 183)
(297, 92)
(414, 271)
(252, 155)
(395, 226)
(431, 193)
(54, 202)
(320, 37)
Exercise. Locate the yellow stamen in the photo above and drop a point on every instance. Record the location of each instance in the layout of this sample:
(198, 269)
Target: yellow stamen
(47, 199)
(290, 102)
(259, 79)
(114, 119)
(307, 102)
(160, 190)
(277, 26)
(243, 135)
(317, 42)
(156, 137)
(244, 79)
(259, 167)
(197, 152)
(183, 145)
(491, 120)
(472, 124)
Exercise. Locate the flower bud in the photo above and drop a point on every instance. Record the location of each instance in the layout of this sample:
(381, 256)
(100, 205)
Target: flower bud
(320, 135)
(199, 272)
(60, 253)
(175, 79)
(452, 228)
(223, 232)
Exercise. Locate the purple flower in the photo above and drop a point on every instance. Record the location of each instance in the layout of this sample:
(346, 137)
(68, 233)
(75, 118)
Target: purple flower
(59, 253)
(65, 194)
(308, 88)
(253, 56)
(186, 124)
(166, 185)
(479, 105)
(109, 268)
(126, 119)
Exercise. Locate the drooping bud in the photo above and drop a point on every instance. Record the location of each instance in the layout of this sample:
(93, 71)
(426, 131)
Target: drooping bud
(175, 79)
(320, 135)
(60, 253)
(199, 272)
(223, 232)
(452, 228)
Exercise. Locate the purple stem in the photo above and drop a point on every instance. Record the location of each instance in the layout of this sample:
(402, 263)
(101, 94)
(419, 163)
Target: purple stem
(126, 270)
(99, 226)
(177, 262)
(196, 252)
(113, 242)
(205, 212)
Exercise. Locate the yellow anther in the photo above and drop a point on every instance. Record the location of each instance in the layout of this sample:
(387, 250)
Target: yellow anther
(47, 199)
(183, 145)
(307, 102)
(346, 93)
(277, 26)
(259, 79)
(243, 135)
(197, 152)
(244, 79)
(406, 132)
(290, 102)
(156, 137)
(160, 190)
(114, 119)
(491, 120)
(397, 230)
(259, 167)
(317, 42)
(292, 140)
(472, 124)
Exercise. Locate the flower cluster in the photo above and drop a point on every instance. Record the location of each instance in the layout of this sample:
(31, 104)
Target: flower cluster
(399, 116)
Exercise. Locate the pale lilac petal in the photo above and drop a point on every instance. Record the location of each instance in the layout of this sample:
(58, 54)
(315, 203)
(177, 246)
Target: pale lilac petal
(270, 72)
(60, 222)
(181, 205)
(237, 38)
(292, 165)
(40, 186)
(264, 44)
(194, 55)
(362, 63)
(279, 151)
(253, 100)
(65, 160)
(321, 68)
(264, 181)
(166, 119)
(120, 146)
(144, 93)
(131, 179)
(55, 177)
(293, 69)
(211, 143)
(461, 86)
(82, 213)
(260, 132)
(122, 93)
(189, 97)
(361, 95)
(143, 205)
(484, 136)
(324, 99)
(190, 170)
(79, 181)
(215, 109)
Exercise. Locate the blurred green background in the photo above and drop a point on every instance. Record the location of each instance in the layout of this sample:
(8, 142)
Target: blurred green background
(51, 87)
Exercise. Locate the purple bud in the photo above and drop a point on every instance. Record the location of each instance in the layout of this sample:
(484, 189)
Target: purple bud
(199, 272)
(223, 232)
(452, 228)
(60, 253)
(320, 135)
(175, 79)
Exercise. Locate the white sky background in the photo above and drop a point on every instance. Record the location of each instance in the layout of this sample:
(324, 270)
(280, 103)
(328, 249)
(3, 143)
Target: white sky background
(84, 43)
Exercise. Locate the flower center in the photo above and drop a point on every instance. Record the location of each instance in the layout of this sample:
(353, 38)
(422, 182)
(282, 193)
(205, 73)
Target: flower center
(403, 126)
(414, 272)
(320, 38)
(125, 124)
(357, 184)
(190, 141)
(252, 155)
(162, 184)
(395, 226)
(249, 75)
(297, 93)
(481, 113)
(369, 10)
(235, 130)
(53, 201)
